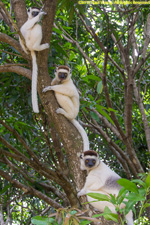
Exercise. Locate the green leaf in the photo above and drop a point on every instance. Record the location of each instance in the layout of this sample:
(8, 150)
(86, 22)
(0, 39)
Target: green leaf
(122, 192)
(130, 186)
(101, 111)
(38, 220)
(99, 87)
(108, 215)
(111, 216)
(147, 181)
(73, 212)
(5, 189)
(99, 196)
(94, 116)
(93, 77)
(146, 205)
(71, 15)
(107, 210)
(135, 197)
(85, 222)
(113, 199)
(140, 182)
(57, 30)
(129, 206)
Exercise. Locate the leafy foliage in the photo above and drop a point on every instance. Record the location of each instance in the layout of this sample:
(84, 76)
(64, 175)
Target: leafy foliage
(109, 107)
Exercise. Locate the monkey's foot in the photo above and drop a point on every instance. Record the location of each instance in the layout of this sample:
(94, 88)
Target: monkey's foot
(48, 88)
(79, 194)
(60, 111)
(46, 45)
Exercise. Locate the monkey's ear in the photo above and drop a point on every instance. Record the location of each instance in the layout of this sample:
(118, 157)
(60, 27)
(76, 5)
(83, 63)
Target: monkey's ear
(28, 10)
(55, 71)
(81, 156)
(70, 72)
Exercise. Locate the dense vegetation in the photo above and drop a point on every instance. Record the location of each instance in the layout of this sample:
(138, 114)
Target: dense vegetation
(107, 48)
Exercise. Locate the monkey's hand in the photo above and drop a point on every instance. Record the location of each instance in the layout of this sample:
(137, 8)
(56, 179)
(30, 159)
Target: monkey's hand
(48, 88)
(41, 13)
(80, 193)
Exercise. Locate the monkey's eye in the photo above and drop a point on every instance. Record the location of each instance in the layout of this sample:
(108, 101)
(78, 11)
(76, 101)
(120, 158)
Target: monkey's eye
(86, 161)
(35, 13)
(93, 161)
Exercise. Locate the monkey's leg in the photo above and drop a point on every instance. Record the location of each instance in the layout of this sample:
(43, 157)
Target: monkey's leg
(38, 47)
(23, 47)
(67, 107)
(69, 116)
(129, 218)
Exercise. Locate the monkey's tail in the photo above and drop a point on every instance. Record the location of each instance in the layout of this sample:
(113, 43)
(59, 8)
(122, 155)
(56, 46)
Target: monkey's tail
(83, 134)
(34, 83)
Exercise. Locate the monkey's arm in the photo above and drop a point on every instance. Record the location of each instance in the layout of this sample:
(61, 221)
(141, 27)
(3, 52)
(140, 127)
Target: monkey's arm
(61, 89)
(30, 23)
(93, 183)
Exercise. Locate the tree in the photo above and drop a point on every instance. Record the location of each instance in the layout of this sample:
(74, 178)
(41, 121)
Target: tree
(109, 57)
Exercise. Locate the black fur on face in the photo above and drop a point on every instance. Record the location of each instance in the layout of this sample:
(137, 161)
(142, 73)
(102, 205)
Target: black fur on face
(62, 75)
(35, 13)
(90, 162)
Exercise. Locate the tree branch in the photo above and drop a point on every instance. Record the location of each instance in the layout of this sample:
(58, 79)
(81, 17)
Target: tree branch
(14, 68)
(143, 115)
(30, 190)
(9, 40)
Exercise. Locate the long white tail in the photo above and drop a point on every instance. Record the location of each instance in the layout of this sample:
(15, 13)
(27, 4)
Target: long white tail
(83, 134)
(34, 83)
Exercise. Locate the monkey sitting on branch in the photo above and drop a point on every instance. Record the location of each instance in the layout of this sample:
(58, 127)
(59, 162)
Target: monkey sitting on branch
(68, 98)
(32, 33)
(100, 179)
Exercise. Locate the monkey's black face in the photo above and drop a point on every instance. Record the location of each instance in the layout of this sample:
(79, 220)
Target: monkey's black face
(90, 162)
(62, 75)
(35, 13)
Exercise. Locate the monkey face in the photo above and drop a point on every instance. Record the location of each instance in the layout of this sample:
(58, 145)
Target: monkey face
(33, 12)
(90, 162)
(62, 75)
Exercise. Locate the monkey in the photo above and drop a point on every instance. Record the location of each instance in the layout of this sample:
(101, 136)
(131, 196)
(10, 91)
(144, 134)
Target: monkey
(68, 98)
(100, 179)
(32, 33)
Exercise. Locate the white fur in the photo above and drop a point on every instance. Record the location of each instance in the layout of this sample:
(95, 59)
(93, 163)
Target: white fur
(97, 181)
(32, 33)
(68, 98)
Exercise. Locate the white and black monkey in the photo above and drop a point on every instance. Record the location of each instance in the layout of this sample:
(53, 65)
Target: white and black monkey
(68, 98)
(32, 33)
(100, 179)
